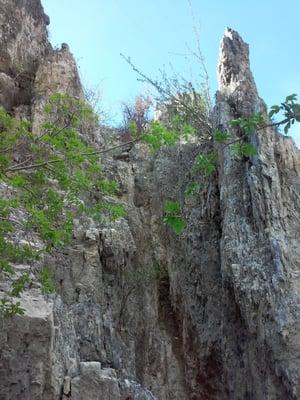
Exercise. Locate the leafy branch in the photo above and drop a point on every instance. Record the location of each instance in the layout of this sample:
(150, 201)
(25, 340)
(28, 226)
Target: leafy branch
(174, 217)
(46, 173)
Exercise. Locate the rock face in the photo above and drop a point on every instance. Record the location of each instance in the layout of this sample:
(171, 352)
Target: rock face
(140, 313)
(23, 37)
(259, 204)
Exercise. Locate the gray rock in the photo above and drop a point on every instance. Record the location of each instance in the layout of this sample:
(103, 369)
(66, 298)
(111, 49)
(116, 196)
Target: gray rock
(141, 313)
(8, 91)
(95, 384)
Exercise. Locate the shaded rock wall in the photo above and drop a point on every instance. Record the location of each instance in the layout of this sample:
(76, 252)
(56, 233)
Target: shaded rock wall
(24, 42)
(139, 312)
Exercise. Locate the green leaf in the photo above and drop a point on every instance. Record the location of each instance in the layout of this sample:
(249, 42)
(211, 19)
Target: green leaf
(243, 149)
(116, 211)
(296, 108)
(274, 110)
(235, 123)
(108, 186)
(291, 97)
(188, 130)
(173, 216)
(153, 141)
(9, 309)
(172, 207)
(205, 163)
(133, 130)
(19, 284)
(220, 136)
(248, 150)
(176, 223)
(18, 181)
(6, 267)
(46, 280)
(192, 189)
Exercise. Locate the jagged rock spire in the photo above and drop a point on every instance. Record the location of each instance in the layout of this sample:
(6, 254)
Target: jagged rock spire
(234, 75)
(259, 203)
(234, 64)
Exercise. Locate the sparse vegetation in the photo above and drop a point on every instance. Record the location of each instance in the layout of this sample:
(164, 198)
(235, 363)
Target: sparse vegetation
(46, 175)
(136, 116)
(178, 98)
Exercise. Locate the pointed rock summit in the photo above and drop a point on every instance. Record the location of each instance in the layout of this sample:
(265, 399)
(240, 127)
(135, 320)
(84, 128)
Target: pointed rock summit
(236, 82)
(234, 63)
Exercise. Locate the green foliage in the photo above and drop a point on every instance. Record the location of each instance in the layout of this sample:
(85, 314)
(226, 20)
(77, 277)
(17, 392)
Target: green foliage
(172, 208)
(157, 136)
(243, 149)
(18, 284)
(220, 136)
(108, 186)
(133, 130)
(48, 171)
(173, 216)
(75, 113)
(105, 210)
(8, 308)
(205, 163)
(290, 110)
(248, 125)
(179, 125)
(245, 127)
(192, 189)
(46, 280)
(116, 211)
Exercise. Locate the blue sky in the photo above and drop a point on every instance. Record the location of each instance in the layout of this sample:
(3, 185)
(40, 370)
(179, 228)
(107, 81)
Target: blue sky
(155, 33)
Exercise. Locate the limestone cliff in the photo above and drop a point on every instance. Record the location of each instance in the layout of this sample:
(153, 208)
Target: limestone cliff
(141, 313)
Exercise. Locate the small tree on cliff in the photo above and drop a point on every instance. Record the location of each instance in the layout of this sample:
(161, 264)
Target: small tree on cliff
(44, 178)
(136, 115)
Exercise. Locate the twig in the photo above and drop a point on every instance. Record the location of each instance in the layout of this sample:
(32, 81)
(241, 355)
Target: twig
(271, 125)
(32, 166)
(114, 147)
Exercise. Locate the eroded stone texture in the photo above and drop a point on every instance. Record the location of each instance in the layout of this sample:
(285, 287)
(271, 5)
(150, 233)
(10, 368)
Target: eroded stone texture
(142, 314)
(8, 91)
(23, 37)
(26, 344)
(56, 73)
(259, 203)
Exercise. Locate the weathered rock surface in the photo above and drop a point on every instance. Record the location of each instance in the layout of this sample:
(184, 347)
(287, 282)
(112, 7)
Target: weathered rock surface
(259, 204)
(140, 313)
(24, 42)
